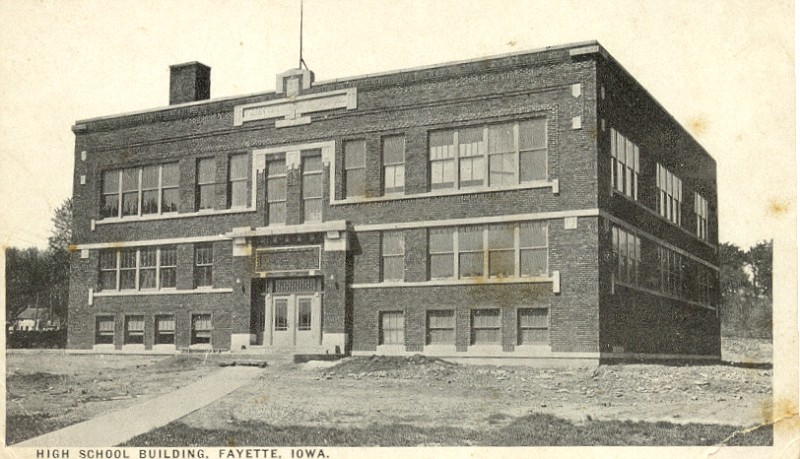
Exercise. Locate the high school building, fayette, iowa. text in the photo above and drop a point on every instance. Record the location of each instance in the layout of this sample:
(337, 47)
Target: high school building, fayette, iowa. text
(536, 207)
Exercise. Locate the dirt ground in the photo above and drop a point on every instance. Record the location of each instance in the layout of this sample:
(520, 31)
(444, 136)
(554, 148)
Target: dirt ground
(50, 390)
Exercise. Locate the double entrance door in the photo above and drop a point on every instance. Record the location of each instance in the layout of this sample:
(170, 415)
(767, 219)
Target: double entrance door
(293, 320)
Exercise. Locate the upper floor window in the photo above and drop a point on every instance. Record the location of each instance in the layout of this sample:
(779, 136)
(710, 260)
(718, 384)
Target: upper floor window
(701, 214)
(502, 250)
(204, 187)
(670, 194)
(624, 165)
(312, 188)
(628, 251)
(203, 265)
(145, 268)
(392, 256)
(496, 155)
(671, 269)
(355, 164)
(276, 191)
(140, 191)
(394, 164)
(237, 180)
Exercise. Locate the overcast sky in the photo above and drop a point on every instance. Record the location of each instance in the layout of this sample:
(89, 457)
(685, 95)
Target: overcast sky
(723, 68)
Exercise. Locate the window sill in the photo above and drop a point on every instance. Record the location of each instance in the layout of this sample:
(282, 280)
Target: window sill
(173, 215)
(466, 281)
(552, 184)
(105, 293)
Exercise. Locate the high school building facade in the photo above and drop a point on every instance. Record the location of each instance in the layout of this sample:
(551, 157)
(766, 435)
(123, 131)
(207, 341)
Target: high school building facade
(538, 206)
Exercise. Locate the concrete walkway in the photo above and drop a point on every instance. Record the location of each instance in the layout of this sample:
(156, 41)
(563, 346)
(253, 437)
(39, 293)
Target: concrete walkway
(117, 427)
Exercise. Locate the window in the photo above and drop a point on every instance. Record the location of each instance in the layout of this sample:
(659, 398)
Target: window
(204, 194)
(671, 270)
(624, 165)
(203, 265)
(392, 327)
(201, 329)
(705, 286)
(701, 213)
(532, 326)
(627, 248)
(140, 190)
(165, 330)
(276, 191)
(485, 326)
(237, 180)
(355, 165)
(513, 250)
(392, 256)
(497, 155)
(312, 188)
(104, 330)
(281, 314)
(134, 329)
(145, 268)
(394, 164)
(441, 327)
(440, 253)
(533, 249)
(304, 314)
(670, 191)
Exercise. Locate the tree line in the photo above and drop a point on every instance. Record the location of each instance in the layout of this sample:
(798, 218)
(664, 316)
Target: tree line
(746, 290)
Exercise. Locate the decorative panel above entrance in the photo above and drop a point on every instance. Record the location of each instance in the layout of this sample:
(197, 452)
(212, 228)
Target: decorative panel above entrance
(288, 259)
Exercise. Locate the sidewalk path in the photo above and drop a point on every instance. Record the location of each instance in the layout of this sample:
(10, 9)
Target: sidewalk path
(117, 427)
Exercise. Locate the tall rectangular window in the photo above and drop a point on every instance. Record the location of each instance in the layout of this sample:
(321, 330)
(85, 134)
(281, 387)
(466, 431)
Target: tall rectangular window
(312, 188)
(670, 194)
(304, 314)
(392, 256)
(701, 214)
(533, 249)
(624, 165)
(394, 164)
(627, 250)
(441, 327)
(203, 265)
(532, 326)
(276, 191)
(392, 328)
(442, 159)
(355, 164)
(148, 268)
(205, 186)
(127, 269)
(497, 155)
(168, 266)
(164, 330)
(501, 250)
(104, 330)
(201, 329)
(485, 326)
(237, 180)
(109, 207)
(671, 270)
(108, 270)
(150, 191)
(170, 180)
(440, 253)
(134, 330)
(470, 251)
(140, 191)
(130, 192)
(281, 314)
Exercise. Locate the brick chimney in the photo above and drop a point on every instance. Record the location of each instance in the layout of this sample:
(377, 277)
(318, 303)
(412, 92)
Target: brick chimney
(189, 82)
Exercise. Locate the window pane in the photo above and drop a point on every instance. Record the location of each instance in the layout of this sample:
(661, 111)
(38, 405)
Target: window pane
(206, 198)
(304, 314)
(130, 179)
(169, 200)
(276, 189)
(441, 319)
(485, 336)
(442, 266)
(277, 213)
(486, 318)
(393, 269)
(110, 206)
(501, 138)
(108, 259)
(111, 182)
(312, 210)
(150, 202)
(533, 234)
(147, 257)
(238, 167)
(441, 145)
(532, 165)
(354, 182)
(501, 237)
(533, 262)
(471, 171)
(354, 154)
(533, 317)
(239, 194)
(392, 328)
(501, 169)
(168, 277)
(441, 336)
(470, 238)
(470, 264)
(281, 315)
(501, 263)
(147, 278)
(128, 259)
(393, 150)
(149, 177)
(440, 240)
(169, 175)
(127, 279)
(130, 203)
(312, 163)
(470, 142)
(533, 336)
(205, 170)
(276, 167)
(392, 243)
(533, 134)
(108, 280)
(312, 186)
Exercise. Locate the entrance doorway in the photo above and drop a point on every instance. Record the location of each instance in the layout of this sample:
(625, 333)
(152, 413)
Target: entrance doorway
(293, 320)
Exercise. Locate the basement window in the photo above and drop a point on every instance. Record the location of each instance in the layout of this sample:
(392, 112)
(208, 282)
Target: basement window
(165, 329)
(201, 329)
(104, 330)
(134, 329)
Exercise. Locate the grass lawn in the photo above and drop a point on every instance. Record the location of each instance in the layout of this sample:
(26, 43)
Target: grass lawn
(530, 430)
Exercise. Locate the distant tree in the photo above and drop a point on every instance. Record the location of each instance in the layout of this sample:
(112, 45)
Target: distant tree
(25, 276)
(759, 257)
(732, 276)
(61, 236)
